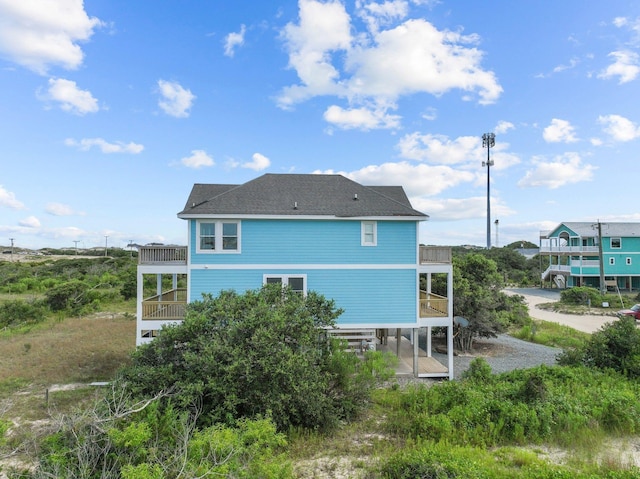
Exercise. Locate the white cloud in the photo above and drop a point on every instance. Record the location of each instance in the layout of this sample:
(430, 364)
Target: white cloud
(559, 131)
(8, 199)
(379, 66)
(563, 170)
(233, 40)
(30, 222)
(456, 209)
(503, 127)
(417, 180)
(258, 162)
(619, 127)
(37, 35)
(175, 100)
(198, 159)
(60, 209)
(360, 118)
(118, 147)
(376, 15)
(70, 97)
(625, 66)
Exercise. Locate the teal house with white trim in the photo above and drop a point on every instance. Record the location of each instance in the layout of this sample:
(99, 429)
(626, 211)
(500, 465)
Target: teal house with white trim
(355, 244)
(587, 254)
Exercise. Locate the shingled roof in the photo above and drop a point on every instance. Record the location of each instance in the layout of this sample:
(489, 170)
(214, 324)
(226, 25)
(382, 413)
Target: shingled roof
(299, 195)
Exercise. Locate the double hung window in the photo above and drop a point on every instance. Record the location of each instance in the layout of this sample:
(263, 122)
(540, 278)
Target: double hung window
(218, 236)
(369, 233)
(297, 282)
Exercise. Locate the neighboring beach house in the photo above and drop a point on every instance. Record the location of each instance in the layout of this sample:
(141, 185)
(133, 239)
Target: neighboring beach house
(574, 255)
(355, 244)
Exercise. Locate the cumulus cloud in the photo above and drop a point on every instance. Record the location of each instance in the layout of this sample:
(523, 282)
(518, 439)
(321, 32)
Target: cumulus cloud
(379, 65)
(234, 40)
(559, 131)
(563, 170)
(360, 118)
(416, 179)
(30, 222)
(198, 159)
(60, 209)
(619, 127)
(9, 200)
(258, 162)
(503, 127)
(86, 144)
(37, 36)
(625, 66)
(174, 99)
(70, 98)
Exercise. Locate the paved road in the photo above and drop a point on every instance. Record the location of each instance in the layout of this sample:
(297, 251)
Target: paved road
(587, 323)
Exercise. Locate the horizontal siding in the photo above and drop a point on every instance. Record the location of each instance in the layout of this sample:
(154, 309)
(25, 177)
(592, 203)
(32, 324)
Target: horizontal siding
(316, 242)
(367, 296)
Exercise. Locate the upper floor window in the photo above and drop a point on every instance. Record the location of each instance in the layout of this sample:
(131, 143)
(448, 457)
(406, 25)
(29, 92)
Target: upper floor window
(218, 236)
(616, 243)
(369, 233)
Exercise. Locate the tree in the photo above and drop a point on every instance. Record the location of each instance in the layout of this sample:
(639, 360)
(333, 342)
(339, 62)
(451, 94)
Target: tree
(477, 298)
(264, 352)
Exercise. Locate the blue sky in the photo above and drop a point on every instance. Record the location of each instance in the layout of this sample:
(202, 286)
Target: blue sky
(111, 110)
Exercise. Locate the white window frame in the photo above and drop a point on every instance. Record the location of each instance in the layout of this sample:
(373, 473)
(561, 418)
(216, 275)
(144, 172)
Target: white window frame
(218, 237)
(618, 240)
(612, 261)
(284, 278)
(364, 241)
(628, 261)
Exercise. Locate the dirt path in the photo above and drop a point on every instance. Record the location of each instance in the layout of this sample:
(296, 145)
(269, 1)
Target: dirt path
(588, 323)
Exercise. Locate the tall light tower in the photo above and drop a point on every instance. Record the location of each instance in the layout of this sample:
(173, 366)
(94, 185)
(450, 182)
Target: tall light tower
(488, 142)
(497, 222)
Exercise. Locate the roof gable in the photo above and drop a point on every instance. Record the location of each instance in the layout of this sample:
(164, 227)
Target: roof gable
(299, 195)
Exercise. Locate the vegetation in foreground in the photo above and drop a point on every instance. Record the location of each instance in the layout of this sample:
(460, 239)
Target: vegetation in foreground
(485, 425)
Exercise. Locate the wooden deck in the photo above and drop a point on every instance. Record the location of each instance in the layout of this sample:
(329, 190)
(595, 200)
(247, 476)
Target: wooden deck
(427, 366)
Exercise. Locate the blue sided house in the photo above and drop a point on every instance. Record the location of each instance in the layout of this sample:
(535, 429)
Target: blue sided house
(600, 255)
(355, 244)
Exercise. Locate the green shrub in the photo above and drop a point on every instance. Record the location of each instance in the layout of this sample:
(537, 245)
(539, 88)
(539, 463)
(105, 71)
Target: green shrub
(581, 295)
(17, 311)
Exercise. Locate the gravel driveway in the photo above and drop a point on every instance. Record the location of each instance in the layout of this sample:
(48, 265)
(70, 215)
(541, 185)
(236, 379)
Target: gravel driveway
(506, 353)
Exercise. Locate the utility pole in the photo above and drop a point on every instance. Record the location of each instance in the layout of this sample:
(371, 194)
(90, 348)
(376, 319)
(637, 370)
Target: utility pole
(105, 245)
(11, 248)
(496, 222)
(488, 142)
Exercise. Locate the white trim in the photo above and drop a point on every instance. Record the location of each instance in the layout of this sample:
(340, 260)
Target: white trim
(301, 217)
(219, 236)
(619, 238)
(363, 233)
(297, 266)
(612, 261)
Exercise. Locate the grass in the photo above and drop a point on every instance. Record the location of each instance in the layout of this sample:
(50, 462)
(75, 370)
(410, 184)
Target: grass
(551, 334)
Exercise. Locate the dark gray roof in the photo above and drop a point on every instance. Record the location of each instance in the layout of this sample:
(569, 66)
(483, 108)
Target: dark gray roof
(299, 195)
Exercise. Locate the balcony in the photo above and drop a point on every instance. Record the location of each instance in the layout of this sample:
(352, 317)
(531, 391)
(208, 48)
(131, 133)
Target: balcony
(153, 255)
(549, 249)
(433, 305)
(168, 306)
(435, 254)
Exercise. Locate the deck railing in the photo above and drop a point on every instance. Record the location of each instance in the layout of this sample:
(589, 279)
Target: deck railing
(435, 254)
(162, 255)
(168, 306)
(433, 305)
(568, 249)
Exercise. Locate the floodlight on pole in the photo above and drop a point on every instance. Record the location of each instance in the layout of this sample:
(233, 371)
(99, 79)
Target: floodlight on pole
(488, 142)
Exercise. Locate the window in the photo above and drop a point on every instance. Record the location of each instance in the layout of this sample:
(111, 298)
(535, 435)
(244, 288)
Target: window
(297, 283)
(612, 261)
(369, 233)
(218, 236)
(616, 243)
(628, 261)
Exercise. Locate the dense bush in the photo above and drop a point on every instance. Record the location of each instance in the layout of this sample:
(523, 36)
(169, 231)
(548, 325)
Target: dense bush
(543, 404)
(615, 346)
(262, 352)
(14, 312)
(581, 295)
(122, 439)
